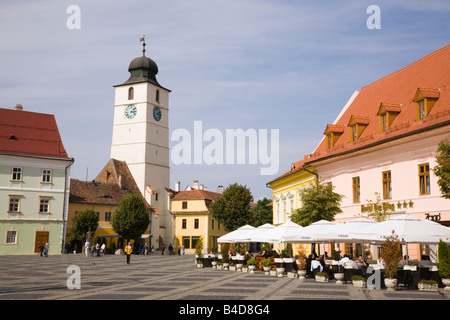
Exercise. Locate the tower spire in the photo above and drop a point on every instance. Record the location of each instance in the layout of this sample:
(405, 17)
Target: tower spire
(143, 45)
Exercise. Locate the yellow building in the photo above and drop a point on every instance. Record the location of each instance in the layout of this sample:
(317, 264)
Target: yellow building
(193, 219)
(286, 193)
(102, 195)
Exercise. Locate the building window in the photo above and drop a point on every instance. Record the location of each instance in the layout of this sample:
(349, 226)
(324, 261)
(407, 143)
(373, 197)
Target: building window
(356, 189)
(14, 205)
(212, 224)
(44, 206)
(194, 241)
(108, 216)
(16, 174)
(184, 205)
(329, 141)
(186, 242)
(424, 178)
(387, 185)
(421, 109)
(384, 122)
(184, 224)
(218, 225)
(196, 223)
(131, 93)
(157, 96)
(354, 133)
(11, 237)
(46, 175)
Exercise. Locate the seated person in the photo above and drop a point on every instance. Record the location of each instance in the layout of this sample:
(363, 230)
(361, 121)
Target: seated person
(344, 260)
(316, 264)
(361, 264)
(425, 262)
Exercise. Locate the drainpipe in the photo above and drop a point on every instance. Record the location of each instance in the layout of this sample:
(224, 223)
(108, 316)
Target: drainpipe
(65, 205)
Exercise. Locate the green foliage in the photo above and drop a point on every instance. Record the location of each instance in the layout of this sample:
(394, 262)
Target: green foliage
(319, 202)
(131, 218)
(224, 248)
(336, 255)
(444, 260)
(392, 255)
(261, 213)
(358, 278)
(199, 246)
(232, 208)
(82, 222)
(301, 258)
(265, 263)
(251, 262)
(442, 168)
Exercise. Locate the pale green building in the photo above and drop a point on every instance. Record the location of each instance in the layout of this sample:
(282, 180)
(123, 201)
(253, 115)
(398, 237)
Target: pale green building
(34, 183)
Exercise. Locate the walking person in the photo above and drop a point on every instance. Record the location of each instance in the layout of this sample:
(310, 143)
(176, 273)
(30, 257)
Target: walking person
(128, 250)
(46, 249)
(41, 248)
(87, 247)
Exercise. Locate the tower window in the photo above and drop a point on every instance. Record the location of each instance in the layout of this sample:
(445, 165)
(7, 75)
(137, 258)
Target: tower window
(131, 93)
(157, 95)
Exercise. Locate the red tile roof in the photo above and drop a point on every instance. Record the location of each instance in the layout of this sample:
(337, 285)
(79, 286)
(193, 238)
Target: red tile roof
(396, 92)
(30, 133)
(196, 194)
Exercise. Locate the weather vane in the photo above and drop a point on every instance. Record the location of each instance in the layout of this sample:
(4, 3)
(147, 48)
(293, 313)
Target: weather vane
(143, 45)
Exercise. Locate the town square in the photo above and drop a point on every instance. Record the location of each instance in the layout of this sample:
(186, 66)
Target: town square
(225, 158)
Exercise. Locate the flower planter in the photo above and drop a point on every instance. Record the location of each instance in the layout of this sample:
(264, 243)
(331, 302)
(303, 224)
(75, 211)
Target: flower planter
(359, 283)
(273, 273)
(339, 277)
(266, 270)
(292, 275)
(321, 279)
(302, 274)
(225, 265)
(390, 284)
(199, 265)
(446, 283)
(427, 287)
(214, 264)
(251, 268)
(232, 268)
(280, 272)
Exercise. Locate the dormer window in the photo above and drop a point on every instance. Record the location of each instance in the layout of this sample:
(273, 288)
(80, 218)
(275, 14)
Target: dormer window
(357, 125)
(387, 113)
(425, 99)
(332, 134)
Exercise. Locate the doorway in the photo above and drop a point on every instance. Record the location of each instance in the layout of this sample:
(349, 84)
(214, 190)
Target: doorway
(41, 237)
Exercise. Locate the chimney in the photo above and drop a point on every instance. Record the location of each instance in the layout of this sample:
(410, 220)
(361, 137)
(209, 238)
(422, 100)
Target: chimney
(18, 107)
(120, 181)
(220, 189)
(202, 187)
(195, 185)
(177, 186)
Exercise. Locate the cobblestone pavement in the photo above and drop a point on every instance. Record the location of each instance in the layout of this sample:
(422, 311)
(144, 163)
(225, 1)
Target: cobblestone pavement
(158, 277)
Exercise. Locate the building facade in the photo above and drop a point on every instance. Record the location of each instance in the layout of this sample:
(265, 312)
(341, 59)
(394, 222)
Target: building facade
(383, 145)
(34, 176)
(193, 219)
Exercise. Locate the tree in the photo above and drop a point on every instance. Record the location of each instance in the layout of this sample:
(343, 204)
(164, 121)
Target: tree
(82, 222)
(319, 202)
(261, 213)
(131, 218)
(442, 169)
(232, 208)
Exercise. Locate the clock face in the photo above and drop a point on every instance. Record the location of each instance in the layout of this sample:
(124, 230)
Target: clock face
(157, 113)
(130, 111)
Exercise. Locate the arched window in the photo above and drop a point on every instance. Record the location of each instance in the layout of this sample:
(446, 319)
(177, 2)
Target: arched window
(157, 95)
(131, 93)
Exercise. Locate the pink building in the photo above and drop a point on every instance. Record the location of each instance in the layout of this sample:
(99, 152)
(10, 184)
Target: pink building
(384, 141)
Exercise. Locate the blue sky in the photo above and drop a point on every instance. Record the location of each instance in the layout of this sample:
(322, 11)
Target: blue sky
(250, 64)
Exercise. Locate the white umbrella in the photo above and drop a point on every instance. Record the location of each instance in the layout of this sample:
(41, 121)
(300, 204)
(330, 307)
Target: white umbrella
(408, 228)
(276, 234)
(251, 234)
(309, 233)
(342, 232)
(233, 235)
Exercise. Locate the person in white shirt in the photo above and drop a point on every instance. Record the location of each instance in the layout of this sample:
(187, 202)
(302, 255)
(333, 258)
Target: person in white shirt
(344, 260)
(87, 246)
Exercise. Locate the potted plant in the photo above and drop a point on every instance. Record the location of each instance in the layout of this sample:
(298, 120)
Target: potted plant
(321, 277)
(428, 285)
(224, 252)
(244, 268)
(359, 281)
(392, 256)
(199, 264)
(273, 271)
(265, 264)
(301, 263)
(292, 274)
(232, 267)
(444, 264)
(251, 265)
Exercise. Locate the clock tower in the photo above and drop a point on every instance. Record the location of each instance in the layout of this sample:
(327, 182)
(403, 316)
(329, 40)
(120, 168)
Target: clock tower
(141, 139)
